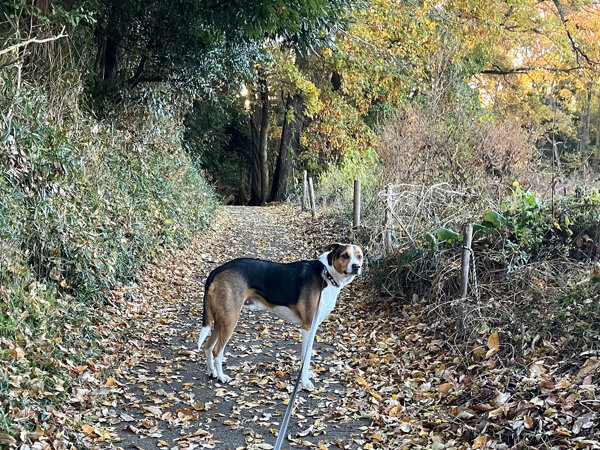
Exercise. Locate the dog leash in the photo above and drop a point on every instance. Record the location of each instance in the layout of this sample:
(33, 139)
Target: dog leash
(285, 422)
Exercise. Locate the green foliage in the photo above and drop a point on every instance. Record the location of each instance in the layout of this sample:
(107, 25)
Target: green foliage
(289, 79)
(447, 236)
(198, 44)
(217, 135)
(88, 207)
(84, 205)
(336, 185)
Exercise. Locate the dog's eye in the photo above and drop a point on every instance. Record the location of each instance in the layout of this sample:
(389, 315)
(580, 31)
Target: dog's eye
(345, 256)
(359, 257)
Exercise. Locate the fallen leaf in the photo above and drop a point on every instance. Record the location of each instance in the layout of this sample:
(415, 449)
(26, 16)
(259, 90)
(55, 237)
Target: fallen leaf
(493, 341)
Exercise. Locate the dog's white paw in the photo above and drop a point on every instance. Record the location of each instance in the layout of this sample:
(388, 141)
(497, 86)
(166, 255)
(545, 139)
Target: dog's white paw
(307, 385)
(211, 371)
(224, 378)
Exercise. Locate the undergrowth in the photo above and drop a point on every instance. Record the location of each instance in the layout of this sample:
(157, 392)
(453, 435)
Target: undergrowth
(534, 276)
(84, 204)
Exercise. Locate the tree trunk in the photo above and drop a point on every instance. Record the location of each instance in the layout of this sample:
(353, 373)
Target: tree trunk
(290, 142)
(255, 174)
(586, 128)
(242, 194)
(259, 123)
(107, 41)
(596, 160)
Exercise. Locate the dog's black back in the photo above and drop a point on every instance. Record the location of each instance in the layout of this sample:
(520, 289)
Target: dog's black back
(279, 284)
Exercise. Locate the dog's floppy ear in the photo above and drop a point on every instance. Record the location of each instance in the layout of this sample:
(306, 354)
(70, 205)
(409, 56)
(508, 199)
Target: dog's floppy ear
(332, 247)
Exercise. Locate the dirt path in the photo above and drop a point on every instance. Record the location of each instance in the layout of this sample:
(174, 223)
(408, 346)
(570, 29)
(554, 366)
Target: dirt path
(162, 396)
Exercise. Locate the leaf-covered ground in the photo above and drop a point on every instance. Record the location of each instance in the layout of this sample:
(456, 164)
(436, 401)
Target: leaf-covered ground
(386, 377)
(161, 395)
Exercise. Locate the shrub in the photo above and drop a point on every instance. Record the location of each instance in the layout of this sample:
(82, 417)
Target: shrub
(458, 145)
(531, 259)
(83, 205)
(335, 187)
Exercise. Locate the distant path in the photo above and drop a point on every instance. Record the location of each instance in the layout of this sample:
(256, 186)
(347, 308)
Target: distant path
(167, 400)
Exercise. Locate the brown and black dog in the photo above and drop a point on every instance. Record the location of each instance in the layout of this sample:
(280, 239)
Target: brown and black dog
(291, 291)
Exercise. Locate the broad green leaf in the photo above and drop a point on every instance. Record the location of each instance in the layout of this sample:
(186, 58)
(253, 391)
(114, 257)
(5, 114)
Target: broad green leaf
(494, 218)
(446, 235)
(433, 240)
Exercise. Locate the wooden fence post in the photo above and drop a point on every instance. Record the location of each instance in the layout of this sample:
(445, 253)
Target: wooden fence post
(387, 223)
(304, 189)
(312, 196)
(466, 257)
(356, 203)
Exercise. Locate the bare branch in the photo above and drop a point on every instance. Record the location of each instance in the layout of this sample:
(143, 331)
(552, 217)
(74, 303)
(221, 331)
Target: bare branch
(32, 41)
(578, 52)
(519, 70)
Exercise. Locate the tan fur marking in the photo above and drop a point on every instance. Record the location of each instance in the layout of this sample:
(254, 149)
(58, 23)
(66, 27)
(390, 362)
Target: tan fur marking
(307, 304)
(339, 262)
(226, 296)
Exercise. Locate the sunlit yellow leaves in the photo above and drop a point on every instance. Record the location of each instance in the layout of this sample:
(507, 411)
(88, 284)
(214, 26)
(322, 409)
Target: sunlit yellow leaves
(480, 442)
(87, 429)
(288, 78)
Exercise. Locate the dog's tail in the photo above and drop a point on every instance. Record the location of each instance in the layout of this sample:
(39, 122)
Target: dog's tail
(207, 318)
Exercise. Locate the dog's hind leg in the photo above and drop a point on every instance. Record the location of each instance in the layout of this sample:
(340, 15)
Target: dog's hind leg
(208, 352)
(203, 335)
(225, 332)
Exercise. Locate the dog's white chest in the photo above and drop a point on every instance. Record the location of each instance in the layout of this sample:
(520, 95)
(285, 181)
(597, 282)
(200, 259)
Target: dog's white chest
(328, 299)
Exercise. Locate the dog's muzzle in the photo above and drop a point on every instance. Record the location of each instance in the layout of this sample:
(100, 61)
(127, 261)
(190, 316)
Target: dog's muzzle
(355, 270)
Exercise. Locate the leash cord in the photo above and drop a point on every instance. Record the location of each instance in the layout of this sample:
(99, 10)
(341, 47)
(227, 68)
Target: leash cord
(285, 422)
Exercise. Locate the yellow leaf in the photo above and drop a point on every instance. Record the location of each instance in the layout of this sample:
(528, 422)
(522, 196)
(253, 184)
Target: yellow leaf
(493, 341)
(87, 429)
(480, 441)
(362, 381)
(376, 396)
(396, 411)
(562, 432)
(163, 443)
(112, 381)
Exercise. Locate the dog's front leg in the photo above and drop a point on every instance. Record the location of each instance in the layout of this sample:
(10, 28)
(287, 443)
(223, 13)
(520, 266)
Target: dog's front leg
(308, 338)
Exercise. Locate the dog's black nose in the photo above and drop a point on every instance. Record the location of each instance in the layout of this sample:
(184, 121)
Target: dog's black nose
(355, 267)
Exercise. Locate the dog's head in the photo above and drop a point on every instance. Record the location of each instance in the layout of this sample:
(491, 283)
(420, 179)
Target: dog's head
(346, 259)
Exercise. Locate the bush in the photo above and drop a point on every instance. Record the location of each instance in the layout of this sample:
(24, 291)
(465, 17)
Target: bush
(532, 274)
(84, 205)
(461, 146)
